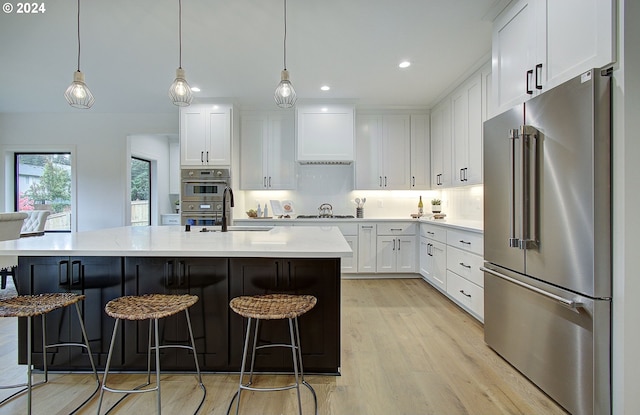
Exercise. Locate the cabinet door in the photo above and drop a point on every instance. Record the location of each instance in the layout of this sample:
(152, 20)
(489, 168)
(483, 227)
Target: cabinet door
(466, 126)
(435, 263)
(423, 256)
(208, 279)
(368, 167)
(218, 140)
(100, 279)
(253, 152)
(590, 42)
(325, 132)
(420, 155)
(406, 254)
(281, 173)
(193, 136)
(441, 145)
(367, 248)
(514, 52)
(253, 276)
(396, 150)
(386, 253)
(350, 264)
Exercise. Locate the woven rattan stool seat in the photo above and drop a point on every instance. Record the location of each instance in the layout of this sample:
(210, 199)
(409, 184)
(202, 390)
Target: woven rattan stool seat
(35, 305)
(273, 306)
(149, 306)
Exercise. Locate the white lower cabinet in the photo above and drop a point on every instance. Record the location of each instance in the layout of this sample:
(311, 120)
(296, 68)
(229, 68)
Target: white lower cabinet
(433, 262)
(450, 260)
(367, 247)
(396, 247)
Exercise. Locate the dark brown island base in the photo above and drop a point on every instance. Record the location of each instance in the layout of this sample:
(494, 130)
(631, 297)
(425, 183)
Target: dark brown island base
(218, 333)
(109, 263)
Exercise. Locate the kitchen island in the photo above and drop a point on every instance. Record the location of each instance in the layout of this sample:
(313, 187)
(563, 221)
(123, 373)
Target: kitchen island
(216, 266)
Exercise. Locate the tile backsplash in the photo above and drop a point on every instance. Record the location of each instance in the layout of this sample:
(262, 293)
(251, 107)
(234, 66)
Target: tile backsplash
(334, 185)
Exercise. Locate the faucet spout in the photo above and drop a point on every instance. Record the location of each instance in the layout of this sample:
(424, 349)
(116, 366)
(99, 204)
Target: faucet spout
(224, 206)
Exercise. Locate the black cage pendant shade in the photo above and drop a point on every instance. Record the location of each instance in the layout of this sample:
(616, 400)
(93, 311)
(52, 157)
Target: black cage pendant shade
(180, 91)
(285, 95)
(78, 94)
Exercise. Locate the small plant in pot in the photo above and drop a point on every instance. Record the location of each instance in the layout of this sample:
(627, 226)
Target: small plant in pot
(177, 203)
(436, 206)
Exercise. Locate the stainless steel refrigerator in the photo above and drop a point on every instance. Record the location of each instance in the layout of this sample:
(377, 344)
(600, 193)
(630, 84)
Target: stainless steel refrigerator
(547, 241)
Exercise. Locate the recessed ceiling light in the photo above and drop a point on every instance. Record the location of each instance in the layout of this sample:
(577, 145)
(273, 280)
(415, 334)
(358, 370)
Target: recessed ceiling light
(325, 87)
(195, 89)
(404, 64)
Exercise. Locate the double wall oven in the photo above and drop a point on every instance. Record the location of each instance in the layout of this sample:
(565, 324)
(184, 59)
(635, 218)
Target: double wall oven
(201, 196)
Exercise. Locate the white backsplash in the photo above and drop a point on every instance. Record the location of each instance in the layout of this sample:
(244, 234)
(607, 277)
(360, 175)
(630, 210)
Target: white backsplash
(334, 185)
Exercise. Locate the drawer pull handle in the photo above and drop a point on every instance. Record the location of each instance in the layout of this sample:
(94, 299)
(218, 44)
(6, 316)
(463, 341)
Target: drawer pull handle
(465, 294)
(431, 233)
(465, 242)
(465, 265)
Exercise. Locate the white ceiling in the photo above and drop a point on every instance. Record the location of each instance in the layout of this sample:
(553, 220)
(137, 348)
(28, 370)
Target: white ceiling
(234, 49)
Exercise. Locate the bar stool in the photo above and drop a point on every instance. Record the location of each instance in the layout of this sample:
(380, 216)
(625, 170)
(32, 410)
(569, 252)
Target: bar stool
(150, 307)
(273, 307)
(30, 306)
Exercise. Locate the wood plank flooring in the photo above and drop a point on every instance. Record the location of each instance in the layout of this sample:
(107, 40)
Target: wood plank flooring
(406, 349)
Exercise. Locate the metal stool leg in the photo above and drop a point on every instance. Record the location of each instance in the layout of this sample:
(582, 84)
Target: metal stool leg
(304, 382)
(106, 368)
(294, 355)
(195, 358)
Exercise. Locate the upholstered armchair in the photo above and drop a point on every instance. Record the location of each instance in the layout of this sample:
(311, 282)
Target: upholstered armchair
(34, 223)
(10, 227)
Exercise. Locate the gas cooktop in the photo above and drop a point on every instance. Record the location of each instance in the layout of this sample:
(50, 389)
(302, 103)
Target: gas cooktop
(324, 217)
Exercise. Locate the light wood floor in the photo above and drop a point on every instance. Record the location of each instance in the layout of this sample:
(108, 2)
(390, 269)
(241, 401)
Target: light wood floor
(406, 349)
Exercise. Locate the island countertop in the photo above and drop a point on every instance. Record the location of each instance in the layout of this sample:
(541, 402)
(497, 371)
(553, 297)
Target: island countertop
(163, 241)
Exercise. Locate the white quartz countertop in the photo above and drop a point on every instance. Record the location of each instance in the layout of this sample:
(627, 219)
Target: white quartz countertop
(162, 241)
(463, 224)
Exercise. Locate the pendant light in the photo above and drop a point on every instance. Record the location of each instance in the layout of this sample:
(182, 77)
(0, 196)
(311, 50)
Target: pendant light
(285, 95)
(180, 91)
(78, 94)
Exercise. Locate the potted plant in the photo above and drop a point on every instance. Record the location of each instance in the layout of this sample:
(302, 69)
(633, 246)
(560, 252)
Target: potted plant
(177, 202)
(436, 205)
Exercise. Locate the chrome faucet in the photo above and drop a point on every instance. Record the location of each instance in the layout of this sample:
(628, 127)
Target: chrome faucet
(224, 207)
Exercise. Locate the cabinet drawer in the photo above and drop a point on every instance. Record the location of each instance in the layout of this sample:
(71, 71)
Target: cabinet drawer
(465, 264)
(170, 219)
(466, 293)
(400, 228)
(468, 241)
(433, 232)
(347, 228)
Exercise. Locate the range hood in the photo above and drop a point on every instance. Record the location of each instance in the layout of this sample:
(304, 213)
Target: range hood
(325, 134)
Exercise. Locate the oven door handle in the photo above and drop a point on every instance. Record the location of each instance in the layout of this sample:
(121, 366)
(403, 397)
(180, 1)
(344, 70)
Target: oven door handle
(204, 181)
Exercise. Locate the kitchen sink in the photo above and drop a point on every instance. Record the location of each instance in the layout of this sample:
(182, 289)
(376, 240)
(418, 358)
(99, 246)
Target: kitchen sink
(239, 229)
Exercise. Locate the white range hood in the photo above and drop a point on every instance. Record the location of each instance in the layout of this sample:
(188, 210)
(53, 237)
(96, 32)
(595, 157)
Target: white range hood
(325, 134)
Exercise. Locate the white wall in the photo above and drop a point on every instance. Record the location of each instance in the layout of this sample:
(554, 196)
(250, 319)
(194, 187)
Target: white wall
(155, 148)
(99, 147)
(626, 226)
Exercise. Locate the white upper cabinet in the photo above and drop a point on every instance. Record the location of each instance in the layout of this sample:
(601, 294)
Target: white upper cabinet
(420, 153)
(385, 147)
(205, 135)
(267, 143)
(325, 133)
(538, 44)
(441, 144)
(466, 129)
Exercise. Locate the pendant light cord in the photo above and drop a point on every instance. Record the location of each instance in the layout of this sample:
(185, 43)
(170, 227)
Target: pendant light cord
(285, 35)
(180, 31)
(78, 35)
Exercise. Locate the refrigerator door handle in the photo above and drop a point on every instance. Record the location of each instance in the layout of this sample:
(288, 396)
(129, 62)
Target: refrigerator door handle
(513, 241)
(571, 304)
(531, 189)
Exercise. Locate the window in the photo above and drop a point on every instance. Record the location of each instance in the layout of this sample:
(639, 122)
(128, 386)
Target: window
(43, 182)
(140, 192)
